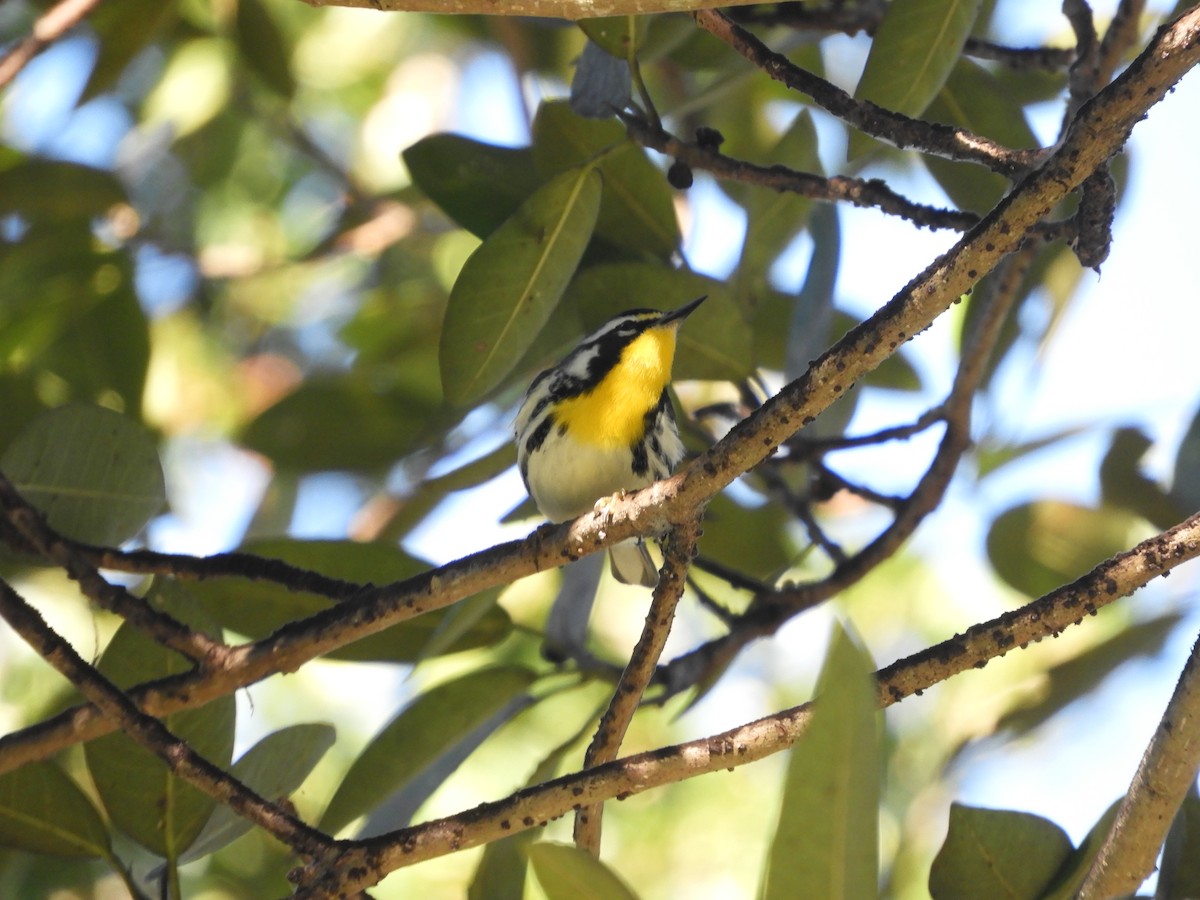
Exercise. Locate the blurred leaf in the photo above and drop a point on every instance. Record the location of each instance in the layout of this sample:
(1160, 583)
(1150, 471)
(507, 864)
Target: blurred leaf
(1185, 482)
(1179, 871)
(54, 190)
(257, 608)
(262, 46)
(774, 218)
(602, 84)
(826, 842)
(21, 406)
(340, 422)
(158, 810)
(94, 473)
(124, 29)
(429, 726)
(1039, 546)
(973, 98)
(637, 209)
(990, 457)
(915, 46)
(567, 873)
(996, 854)
(44, 811)
(1066, 682)
(273, 768)
(1123, 484)
(512, 282)
(477, 185)
(812, 312)
(714, 343)
(752, 540)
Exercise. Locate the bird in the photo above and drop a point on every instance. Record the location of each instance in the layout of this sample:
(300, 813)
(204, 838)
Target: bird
(601, 423)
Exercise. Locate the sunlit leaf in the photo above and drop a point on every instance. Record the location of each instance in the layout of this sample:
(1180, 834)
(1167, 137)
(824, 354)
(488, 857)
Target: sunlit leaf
(715, 342)
(826, 842)
(512, 282)
(913, 51)
(257, 608)
(44, 811)
(1039, 546)
(418, 736)
(94, 473)
(567, 873)
(996, 854)
(637, 211)
(160, 811)
(477, 185)
(615, 33)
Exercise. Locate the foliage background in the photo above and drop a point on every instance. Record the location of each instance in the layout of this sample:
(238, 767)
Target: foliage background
(209, 227)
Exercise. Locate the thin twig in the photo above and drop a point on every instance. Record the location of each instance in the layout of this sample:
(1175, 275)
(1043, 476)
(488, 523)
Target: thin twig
(678, 551)
(49, 27)
(939, 140)
(165, 629)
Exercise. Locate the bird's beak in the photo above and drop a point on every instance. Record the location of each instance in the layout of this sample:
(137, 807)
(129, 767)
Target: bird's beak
(678, 315)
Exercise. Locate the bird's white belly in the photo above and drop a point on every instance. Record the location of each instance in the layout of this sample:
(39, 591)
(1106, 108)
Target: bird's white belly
(567, 481)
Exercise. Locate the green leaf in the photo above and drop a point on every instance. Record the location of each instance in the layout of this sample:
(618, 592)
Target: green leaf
(990, 457)
(1070, 876)
(1179, 874)
(94, 473)
(996, 854)
(1185, 482)
(477, 185)
(714, 343)
(752, 540)
(1039, 546)
(273, 768)
(262, 46)
(915, 47)
(512, 282)
(637, 209)
(421, 733)
(158, 810)
(341, 422)
(567, 873)
(56, 191)
(1123, 484)
(44, 811)
(257, 608)
(973, 98)
(124, 29)
(826, 842)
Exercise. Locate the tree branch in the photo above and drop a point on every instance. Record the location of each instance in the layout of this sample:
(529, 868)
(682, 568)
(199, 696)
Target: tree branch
(678, 551)
(49, 27)
(152, 734)
(1166, 773)
(359, 864)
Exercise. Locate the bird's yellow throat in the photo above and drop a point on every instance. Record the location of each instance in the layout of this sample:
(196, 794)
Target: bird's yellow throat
(613, 413)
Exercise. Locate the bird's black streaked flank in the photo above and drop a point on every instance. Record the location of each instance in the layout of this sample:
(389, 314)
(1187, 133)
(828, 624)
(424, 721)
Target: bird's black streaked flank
(601, 422)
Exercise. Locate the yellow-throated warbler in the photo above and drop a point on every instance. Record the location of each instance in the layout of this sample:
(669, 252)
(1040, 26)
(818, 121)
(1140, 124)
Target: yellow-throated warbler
(601, 422)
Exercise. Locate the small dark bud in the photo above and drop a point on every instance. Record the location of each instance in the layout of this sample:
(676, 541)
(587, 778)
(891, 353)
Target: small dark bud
(680, 175)
(709, 138)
